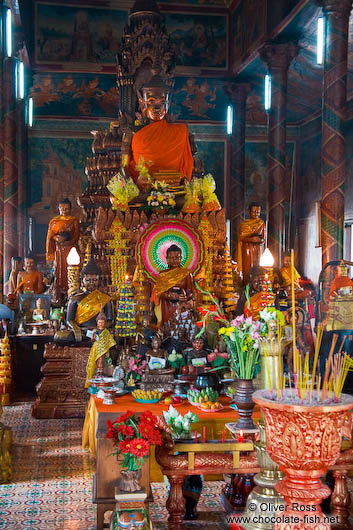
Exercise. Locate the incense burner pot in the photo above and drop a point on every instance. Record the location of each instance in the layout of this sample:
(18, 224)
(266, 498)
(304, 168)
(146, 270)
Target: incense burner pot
(304, 440)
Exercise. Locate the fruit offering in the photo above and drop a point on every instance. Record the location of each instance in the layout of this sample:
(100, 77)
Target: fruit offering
(209, 406)
(172, 400)
(147, 395)
(202, 396)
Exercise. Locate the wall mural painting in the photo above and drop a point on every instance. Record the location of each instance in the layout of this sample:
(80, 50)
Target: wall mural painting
(90, 95)
(249, 28)
(198, 99)
(57, 170)
(256, 183)
(256, 174)
(201, 3)
(70, 34)
(310, 169)
(199, 40)
(213, 155)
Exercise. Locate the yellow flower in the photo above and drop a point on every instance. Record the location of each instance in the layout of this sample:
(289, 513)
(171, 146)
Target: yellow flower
(149, 198)
(171, 202)
(159, 197)
(221, 331)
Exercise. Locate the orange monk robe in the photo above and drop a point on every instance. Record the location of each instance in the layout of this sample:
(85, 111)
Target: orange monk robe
(338, 283)
(249, 253)
(59, 251)
(287, 277)
(165, 145)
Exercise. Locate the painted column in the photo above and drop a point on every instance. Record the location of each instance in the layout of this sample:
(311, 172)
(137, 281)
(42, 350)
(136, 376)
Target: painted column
(333, 118)
(21, 145)
(277, 57)
(237, 94)
(10, 167)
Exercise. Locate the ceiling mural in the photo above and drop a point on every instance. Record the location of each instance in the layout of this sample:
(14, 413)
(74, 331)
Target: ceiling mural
(249, 29)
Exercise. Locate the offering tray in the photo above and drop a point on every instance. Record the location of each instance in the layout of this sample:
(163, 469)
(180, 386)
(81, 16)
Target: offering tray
(103, 382)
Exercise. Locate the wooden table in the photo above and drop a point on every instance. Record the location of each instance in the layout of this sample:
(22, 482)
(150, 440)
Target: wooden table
(107, 470)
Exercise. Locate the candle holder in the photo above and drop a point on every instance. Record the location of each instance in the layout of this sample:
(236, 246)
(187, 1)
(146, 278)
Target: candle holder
(73, 271)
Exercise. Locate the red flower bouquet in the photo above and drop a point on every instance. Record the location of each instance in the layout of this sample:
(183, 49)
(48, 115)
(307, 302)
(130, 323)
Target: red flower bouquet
(132, 436)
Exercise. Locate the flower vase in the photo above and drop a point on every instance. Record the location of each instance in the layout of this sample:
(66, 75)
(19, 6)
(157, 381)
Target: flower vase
(304, 440)
(130, 480)
(244, 390)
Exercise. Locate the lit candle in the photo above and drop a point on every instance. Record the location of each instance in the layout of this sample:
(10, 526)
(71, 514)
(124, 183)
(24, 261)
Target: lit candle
(204, 434)
(195, 437)
(240, 436)
(223, 435)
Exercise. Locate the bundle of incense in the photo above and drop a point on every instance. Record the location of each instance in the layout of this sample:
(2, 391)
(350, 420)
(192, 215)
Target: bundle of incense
(328, 364)
(320, 331)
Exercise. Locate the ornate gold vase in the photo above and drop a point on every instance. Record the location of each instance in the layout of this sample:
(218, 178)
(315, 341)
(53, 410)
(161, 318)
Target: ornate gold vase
(304, 440)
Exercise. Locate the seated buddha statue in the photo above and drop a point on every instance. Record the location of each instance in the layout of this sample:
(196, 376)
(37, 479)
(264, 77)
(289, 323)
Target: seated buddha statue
(341, 280)
(160, 145)
(197, 352)
(174, 287)
(156, 353)
(30, 280)
(261, 297)
(85, 304)
(39, 314)
(286, 276)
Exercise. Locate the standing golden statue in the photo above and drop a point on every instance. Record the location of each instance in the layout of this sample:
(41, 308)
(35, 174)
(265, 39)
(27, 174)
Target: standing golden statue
(63, 234)
(251, 237)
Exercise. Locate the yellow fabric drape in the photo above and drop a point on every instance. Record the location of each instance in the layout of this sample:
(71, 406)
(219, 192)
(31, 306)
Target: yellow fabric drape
(90, 306)
(100, 347)
(170, 278)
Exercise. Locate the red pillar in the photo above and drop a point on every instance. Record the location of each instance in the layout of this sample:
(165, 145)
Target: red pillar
(336, 14)
(237, 94)
(10, 167)
(277, 57)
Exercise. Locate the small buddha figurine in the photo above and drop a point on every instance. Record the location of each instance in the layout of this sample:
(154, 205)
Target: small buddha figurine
(30, 280)
(39, 314)
(103, 342)
(198, 351)
(156, 353)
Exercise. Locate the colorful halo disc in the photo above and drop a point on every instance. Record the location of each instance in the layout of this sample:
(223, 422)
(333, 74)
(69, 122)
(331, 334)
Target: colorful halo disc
(152, 245)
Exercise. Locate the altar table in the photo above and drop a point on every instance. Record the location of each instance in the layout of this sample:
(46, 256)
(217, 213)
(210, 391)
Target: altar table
(107, 470)
(214, 422)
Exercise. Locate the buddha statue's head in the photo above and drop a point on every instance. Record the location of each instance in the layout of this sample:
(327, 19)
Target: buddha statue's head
(29, 263)
(65, 207)
(254, 210)
(90, 276)
(174, 256)
(154, 101)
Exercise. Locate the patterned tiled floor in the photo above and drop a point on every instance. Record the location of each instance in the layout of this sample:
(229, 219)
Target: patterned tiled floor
(52, 480)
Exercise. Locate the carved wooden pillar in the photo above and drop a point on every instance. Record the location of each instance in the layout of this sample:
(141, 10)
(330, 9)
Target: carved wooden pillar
(237, 94)
(333, 141)
(277, 58)
(10, 166)
(176, 501)
(340, 500)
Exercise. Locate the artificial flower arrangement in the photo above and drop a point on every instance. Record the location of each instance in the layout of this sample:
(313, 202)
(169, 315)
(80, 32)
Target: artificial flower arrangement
(123, 191)
(242, 335)
(179, 425)
(201, 189)
(160, 199)
(136, 367)
(132, 436)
